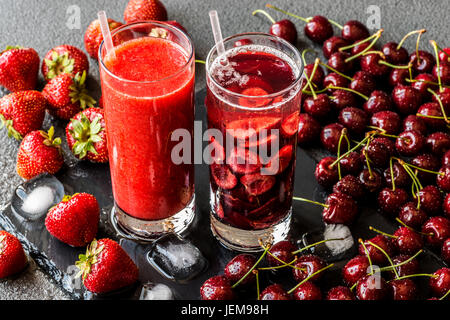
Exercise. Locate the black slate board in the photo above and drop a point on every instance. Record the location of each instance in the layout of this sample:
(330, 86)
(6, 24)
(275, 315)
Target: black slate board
(58, 259)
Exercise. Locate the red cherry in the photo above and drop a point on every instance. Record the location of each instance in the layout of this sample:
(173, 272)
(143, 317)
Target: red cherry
(429, 162)
(351, 163)
(354, 30)
(445, 251)
(443, 179)
(438, 143)
(412, 216)
(371, 181)
(363, 82)
(283, 251)
(340, 293)
(216, 288)
(390, 201)
(407, 99)
(342, 209)
(354, 119)
(308, 129)
(238, 267)
(440, 284)
(337, 62)
(343, 99)
(401, 177)
(408, 241)
(394, 55)
(355, 269)
(330, 136)
(307, 291)
(371, 63)
(336, 80)
(306, 265)
(351, 186)
(332, 45)
(319, 107)
(325, 174)
(434, 110)
(398, 77)
(413, 122)
(430, 199)
(284, 29)
(318, 29)
(372, 288)
(378, 101)
(446, 159)
(409, 143)
(408, 268)
(274, 292)
(446, 205)
(437, 230)
(422, 86)
(443, 72)
(318, 75)
(386, 120)
(376, 255)
(403, 289)
(425, 62)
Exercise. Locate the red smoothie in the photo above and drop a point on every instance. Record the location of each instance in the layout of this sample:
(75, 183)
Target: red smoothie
(148, 93)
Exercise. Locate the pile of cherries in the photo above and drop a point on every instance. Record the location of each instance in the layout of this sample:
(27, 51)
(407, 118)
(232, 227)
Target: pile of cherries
(384, 115)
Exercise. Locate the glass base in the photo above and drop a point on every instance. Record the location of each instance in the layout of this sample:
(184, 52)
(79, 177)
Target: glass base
(149, 230)
(249, 240)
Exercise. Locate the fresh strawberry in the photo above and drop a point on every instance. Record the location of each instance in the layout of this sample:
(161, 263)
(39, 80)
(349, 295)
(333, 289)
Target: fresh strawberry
(38, 153)
(64, 59)
(19, 68)
(22, 112)
(106, 267)
(86, 135)
(12, 257)
(93, 36)
(141, 10)
(67, 95)
(74, 220)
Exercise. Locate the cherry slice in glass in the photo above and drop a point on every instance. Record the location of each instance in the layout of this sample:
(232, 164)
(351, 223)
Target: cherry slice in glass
(243, 161)
(289, 127)
(279, 162)
(243, 129)
(223, 176)
(256, 184)
(255, 102)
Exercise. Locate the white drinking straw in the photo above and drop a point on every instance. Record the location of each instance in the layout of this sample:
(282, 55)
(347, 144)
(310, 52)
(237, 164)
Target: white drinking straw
(215, 25)
(106, 33)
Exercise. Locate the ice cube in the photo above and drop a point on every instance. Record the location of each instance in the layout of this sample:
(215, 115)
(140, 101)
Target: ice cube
(176, 258)
(35, 197)
(333, 250)
(158, 291)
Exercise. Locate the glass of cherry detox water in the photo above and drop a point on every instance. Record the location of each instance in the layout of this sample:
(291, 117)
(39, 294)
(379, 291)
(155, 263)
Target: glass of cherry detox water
(253, 105)
(147, 82)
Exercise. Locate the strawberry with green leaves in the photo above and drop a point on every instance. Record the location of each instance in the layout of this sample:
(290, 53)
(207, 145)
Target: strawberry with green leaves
(19, 68)
(12, 257)
(93, 36)
(74, 220)
(64, 59)
(39, 152)
(67, 95)
(22, 112)
(86, 135)
(141, 10)
(106, 267)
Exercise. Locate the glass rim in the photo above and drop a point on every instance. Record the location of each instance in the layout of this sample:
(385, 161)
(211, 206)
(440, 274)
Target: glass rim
(271, 95)
(157, 23)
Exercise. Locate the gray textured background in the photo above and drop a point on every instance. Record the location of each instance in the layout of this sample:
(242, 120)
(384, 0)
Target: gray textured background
(41, 24)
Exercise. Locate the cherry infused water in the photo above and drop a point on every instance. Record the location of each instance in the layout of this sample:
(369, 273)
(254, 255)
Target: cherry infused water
(253, 102)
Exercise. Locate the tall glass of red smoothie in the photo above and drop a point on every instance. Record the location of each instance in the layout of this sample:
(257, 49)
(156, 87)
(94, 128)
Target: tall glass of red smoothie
(147, 85)
(253, 101)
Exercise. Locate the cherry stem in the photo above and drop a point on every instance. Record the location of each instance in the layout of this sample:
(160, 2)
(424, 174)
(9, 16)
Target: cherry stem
(309, 277)
(386, 255)
(416, 183)
(384, 62)
(424, 170)
(350, 90)
(200, 61)
(336, 71)
(406, 226)
(391, 168)
(382, 132)
(303, 55)
(377, 36)
(381, 54)
(440, 104)
(387, 268)
(281, 266)
(343, 134)
(256, 273)
(400, 44)
(311, 201)
(445, 295)
(361, 41)
(415, 275)
(383, 233)
(367, 255)
(316, 91)
(436, 53)
(443, 51)
(266, 249)
(268, 16)
(351, 150)
(426, 81)
(315, 244)
(367, 159)
(316, 64)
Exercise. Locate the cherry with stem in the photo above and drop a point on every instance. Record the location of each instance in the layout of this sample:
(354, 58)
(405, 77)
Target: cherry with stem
(309, 277)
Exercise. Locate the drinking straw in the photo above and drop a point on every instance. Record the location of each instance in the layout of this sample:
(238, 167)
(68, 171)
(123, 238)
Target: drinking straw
(215, 25)
(106, 33)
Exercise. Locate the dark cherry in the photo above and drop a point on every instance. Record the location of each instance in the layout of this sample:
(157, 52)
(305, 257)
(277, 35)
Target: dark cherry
(378, 101)
(398, 77)
(341, 99)
(444, 55)
(308, 129)
(372, 183)
(413, 122)
(363, 82)
(387, 142)
(410, 143)
(408, 241)
(444, 96)
(340, 293)
(319, 107)
(372, 288)
(440, 284)
(412, 216)
(342, 209)
(336, 80)
(438, 143)
(411, 267)
(394, 55)
(376, 256)
(430, 199)
(377, 152)
(242, 42)
(387, 120)
(351, 186)
(425, 62)
(337, 62)
(283, 251)
(307, 291)
(390, 200)
(354, 119)
(284, 29)
(429, 162)
(238, 267)
(358, 48)
(445, 251)
(216, 288)
(318, 29)
(406, 99)
(403, 289)
(432, 109)
(332, 45)
(422, 84)
(351, 163)
(443, 179)
(326, 175)
(446, 205)
(318, 75)
(371, 63)
(306, 265)
(274, 292)
(355, 269)
(446, 159)
(354, 30)
(330, 135)
(401, 177)
(438, 230)
(444, 72)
